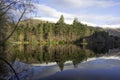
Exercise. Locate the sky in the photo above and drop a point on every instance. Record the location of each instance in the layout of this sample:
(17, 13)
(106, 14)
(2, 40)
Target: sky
(103, 13)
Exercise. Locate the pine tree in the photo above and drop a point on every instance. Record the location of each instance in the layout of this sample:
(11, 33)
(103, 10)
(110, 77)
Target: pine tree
(61, 20)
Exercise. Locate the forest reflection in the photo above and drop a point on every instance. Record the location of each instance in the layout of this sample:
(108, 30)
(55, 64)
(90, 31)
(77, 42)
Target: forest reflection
(39, 54)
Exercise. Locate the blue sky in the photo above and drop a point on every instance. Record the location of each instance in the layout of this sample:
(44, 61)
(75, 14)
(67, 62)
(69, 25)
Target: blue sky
(105, 13)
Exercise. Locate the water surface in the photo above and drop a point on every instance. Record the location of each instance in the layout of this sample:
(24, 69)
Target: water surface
(62, 62)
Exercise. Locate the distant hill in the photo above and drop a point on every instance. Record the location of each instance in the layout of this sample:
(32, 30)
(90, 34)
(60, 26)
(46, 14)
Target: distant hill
(114, 32)
(33, 21)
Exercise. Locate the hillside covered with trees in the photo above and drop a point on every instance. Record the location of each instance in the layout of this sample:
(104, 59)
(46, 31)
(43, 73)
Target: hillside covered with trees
(43, 31)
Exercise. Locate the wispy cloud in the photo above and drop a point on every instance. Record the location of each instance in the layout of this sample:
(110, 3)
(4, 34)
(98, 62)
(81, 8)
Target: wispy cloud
(88, 3)
(51, 12)
(47, 11)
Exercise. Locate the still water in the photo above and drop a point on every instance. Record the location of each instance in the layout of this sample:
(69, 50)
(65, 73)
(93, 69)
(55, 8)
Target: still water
(60, 62)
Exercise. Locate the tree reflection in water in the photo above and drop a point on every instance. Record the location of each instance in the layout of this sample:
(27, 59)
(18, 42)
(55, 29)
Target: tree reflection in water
(48, 53)
(38, 54)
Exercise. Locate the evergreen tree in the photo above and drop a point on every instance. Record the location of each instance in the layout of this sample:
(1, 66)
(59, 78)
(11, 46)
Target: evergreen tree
(61, 20)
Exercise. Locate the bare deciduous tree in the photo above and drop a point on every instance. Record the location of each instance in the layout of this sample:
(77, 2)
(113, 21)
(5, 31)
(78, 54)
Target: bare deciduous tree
(12, 12)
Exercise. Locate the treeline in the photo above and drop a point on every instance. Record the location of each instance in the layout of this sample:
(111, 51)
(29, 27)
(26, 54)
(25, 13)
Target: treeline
(101, 42)
(43, 31)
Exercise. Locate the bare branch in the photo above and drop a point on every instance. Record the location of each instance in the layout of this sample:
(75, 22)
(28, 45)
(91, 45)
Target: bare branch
(14, 27)
(7, 6)
(4, 12)
(15, 5)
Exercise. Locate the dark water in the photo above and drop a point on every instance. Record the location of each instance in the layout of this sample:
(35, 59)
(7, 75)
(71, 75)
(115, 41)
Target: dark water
(60, 62)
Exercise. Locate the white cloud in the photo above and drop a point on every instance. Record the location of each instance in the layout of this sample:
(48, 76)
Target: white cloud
(100, 19)
(54, 20)
(110, 26)
(51, 14)
(88, 3)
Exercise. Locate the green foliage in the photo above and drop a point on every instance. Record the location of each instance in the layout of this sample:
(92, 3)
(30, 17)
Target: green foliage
(61, 42)
(61, 20)
(46, 32)
(7, 43)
